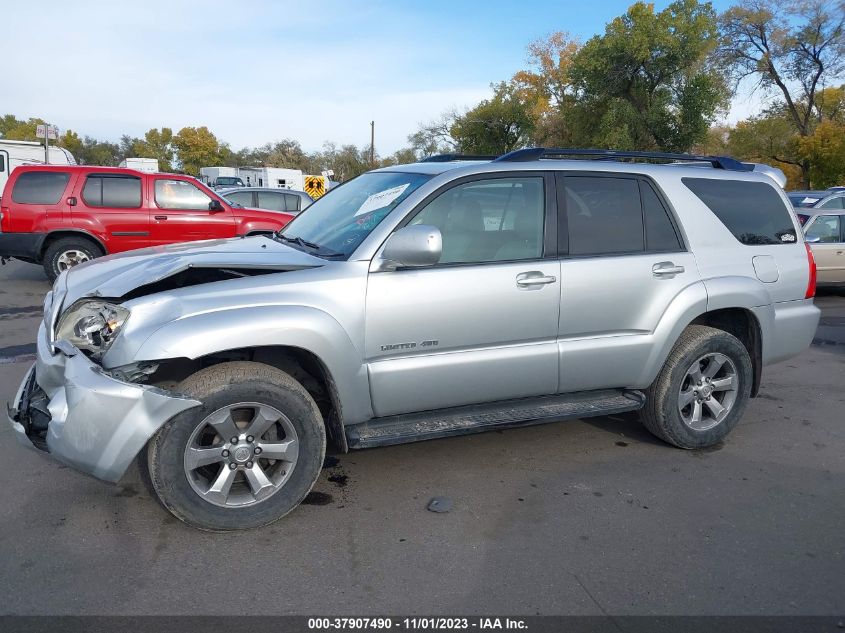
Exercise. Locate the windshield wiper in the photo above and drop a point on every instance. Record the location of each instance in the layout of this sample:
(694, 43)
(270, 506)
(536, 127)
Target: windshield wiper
(298, 240)
(321, 251)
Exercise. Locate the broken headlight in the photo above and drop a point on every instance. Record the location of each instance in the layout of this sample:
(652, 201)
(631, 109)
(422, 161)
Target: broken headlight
(92, 325)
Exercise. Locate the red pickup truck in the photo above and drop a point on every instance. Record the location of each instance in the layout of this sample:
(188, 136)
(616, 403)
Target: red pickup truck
(60, 216)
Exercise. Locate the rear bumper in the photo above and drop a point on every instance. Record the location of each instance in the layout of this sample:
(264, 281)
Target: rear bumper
(23, 245)
(787, 328)
(93, 422)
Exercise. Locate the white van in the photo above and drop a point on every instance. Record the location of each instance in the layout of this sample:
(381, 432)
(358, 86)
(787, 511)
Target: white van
(14, 153)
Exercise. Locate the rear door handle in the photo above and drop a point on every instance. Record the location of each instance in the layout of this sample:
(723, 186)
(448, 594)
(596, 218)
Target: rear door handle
(534, 278)
(666, 269)
(160, 217)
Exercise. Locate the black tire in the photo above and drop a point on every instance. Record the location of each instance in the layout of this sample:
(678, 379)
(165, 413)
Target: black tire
(217, 387)
(661, 414)
(64, 245)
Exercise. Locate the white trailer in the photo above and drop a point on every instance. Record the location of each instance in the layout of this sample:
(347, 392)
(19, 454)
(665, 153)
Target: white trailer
(14, 153)
(273, 177)
(146, 165)
(209, 176)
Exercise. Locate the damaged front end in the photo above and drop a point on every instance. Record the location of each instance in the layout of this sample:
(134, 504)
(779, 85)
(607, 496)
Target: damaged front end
(83, 401)
(71, 408)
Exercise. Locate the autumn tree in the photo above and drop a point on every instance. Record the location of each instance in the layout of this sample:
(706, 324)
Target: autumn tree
(196, 147)
(792, 48)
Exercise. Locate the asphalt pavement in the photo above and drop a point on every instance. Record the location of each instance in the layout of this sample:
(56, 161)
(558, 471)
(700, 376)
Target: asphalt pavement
(580, 517)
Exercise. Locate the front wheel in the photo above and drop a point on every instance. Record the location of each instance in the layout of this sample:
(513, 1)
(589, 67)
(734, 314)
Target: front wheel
(701, 392)
(246, 457)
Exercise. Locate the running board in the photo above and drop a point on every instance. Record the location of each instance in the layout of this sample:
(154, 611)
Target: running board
(428, 425)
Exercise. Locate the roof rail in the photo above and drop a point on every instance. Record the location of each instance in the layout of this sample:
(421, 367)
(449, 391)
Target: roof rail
(536, 153)
(445, 158)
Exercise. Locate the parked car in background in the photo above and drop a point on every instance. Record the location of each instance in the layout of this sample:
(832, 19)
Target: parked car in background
(62, 216)
(824, 230)
(225, 182)
(417, 302)
(16, 153)
(268, 199)
(815, 200)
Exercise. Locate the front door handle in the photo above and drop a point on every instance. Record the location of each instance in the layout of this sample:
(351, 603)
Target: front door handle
(160, 217)
(534, 278)
(666, 269)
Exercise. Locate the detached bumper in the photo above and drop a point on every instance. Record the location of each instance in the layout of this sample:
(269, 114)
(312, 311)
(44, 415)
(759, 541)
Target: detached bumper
(93, 422)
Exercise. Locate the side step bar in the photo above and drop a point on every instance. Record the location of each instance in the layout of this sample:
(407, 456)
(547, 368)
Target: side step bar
(428, 425)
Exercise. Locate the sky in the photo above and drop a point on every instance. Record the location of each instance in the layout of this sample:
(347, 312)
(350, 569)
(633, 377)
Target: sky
(255, 71)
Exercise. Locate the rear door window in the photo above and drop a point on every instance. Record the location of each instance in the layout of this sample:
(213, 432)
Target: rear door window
(271, 201)
(243, 198)
(752, 211)
(40, 187)
(604, 215)
(116, 192)
(660, 234)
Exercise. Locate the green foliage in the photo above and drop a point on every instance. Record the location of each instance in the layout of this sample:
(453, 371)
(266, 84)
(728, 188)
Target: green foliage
(495, 126)
(197, 147)
(157, 143)
(648, 82)
(16, 129)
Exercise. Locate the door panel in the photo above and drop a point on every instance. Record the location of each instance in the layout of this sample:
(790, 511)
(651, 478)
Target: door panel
(449, 336)
(609, 308)
(482, 325)
(113, 207)
(180, 213)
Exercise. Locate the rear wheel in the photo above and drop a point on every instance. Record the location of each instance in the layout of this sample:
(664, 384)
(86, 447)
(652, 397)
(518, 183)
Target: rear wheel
(702, 390)
(67, 252)
(246, 457)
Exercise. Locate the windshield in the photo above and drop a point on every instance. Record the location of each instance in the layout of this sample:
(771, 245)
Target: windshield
(803, 200)
(338, 222)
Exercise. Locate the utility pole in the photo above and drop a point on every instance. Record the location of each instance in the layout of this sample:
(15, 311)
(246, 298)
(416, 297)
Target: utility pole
(46, 143)
(372, 143)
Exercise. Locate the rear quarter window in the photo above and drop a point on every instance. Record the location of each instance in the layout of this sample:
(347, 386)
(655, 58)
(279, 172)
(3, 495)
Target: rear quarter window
(752, 211)
(40, 187)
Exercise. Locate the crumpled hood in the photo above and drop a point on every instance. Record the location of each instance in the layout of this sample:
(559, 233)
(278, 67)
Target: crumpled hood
(116, 275)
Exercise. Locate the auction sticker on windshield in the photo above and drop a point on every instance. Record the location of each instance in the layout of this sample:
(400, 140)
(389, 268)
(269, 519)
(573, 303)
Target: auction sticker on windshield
(381, 199)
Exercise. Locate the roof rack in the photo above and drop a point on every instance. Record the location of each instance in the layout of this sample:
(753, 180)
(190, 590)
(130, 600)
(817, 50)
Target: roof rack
(445, 158)
(536, 153)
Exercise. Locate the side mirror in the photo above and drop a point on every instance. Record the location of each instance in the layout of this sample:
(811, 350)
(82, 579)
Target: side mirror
(411, 246)
(813, 240)
(215, 206)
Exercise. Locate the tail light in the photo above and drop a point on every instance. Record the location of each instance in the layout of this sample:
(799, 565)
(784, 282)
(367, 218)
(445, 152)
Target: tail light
(811, 284)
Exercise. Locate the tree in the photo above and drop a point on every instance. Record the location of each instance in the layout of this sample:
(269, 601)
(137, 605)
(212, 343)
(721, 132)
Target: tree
(650, 81)
(824, 151)
(546, 87)
(435, 136)
(157, 143)
(71, 142)
(497, 125)
(196, 147)
(16, 129)
(768, 138)
(792, 47)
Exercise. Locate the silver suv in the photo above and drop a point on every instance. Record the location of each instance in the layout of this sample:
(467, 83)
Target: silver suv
(417, 302)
